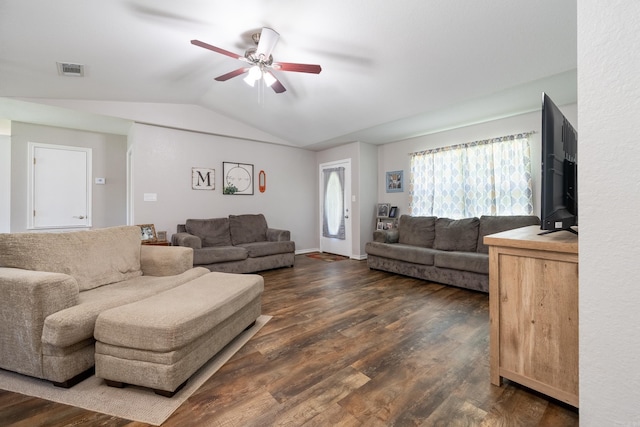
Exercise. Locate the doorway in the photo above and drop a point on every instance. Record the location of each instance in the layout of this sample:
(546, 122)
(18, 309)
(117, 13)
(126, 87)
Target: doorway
(59, 186)
(335, 207)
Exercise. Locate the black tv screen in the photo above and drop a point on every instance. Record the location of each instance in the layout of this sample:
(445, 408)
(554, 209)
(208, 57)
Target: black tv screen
(559, 204)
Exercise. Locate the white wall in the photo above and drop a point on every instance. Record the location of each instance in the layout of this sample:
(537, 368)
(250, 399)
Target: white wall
(609, 181)
(5, 183)
(395, 156)
(109, 153)
(163, 159)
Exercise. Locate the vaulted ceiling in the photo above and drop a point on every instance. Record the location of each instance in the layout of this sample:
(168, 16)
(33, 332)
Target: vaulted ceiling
(390, 70)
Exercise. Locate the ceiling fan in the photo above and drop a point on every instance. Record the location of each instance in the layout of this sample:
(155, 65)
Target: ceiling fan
(260, 62)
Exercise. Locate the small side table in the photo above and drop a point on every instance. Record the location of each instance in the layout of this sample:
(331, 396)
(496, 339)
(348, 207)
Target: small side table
(158, 243)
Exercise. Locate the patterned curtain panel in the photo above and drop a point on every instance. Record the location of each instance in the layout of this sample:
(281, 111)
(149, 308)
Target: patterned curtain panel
(333, 212)
(491, 177)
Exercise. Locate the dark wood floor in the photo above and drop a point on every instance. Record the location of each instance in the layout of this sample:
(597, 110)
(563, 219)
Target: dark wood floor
(347, 347)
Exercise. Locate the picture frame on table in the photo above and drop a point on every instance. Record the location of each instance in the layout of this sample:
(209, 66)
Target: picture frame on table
(393, 212)
(383, 210)
(148, 233)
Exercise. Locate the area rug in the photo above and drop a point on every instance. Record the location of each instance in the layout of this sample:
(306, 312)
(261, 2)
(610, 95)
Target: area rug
(131, 403)
(324, 256)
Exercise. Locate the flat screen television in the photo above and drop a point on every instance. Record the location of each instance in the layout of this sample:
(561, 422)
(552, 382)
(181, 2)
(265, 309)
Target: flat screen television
(559, 204)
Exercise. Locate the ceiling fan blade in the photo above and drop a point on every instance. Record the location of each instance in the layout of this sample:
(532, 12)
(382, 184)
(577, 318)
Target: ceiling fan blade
(268, 40)
(276, 85)
(300, 68)
(217, 49)
(232, 74)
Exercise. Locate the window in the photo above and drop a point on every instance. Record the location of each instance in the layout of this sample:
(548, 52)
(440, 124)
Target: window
(491, 177)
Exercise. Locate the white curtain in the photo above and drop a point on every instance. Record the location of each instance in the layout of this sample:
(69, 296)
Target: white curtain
(491, 177)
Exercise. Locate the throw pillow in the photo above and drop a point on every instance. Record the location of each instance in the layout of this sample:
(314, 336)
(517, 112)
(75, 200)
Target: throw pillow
(496, 224)
(212, 232)
(457, 235)
(247, 228)
(417, 230)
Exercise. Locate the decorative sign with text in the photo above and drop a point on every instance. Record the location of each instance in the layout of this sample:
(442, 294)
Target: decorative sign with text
(203, 179)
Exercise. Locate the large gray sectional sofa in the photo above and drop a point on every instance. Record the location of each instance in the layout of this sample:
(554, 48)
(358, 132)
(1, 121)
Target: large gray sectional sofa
(55, 288)
(237, 244)
(441, 250)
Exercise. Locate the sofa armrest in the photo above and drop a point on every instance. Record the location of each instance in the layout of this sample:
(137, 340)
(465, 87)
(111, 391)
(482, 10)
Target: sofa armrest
(275, 235)
(186, 239)
(386, 236)
(165, 260)
(28, 297)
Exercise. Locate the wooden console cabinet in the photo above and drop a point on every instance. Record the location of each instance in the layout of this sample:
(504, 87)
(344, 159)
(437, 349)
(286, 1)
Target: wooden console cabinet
(533, 299)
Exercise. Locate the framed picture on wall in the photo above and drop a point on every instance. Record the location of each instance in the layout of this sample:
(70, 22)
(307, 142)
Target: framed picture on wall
(395, 182)
(237, 178)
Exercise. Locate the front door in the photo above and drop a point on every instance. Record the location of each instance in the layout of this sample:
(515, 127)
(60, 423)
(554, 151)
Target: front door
(335, 207)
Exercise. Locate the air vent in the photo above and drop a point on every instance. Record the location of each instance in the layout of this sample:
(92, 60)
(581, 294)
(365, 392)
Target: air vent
(69, 69)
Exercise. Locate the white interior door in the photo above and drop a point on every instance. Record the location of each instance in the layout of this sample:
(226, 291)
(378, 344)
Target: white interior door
(335, 207)
(60, 186)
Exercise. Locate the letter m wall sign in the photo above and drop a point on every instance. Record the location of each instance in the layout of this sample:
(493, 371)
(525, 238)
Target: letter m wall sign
(203, 179)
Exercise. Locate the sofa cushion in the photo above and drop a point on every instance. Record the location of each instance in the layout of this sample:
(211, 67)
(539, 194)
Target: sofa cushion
(463, 261)
(258, 249)
(417, 230)
(497, 224)
(212, 231)
(213, 255)
(457, 235)
(247, 228)
(399, 251)
(93, 257)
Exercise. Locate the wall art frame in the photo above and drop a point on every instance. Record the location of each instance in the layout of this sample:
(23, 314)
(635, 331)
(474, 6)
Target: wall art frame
(394, 182)
(237, 178)
(203, 179)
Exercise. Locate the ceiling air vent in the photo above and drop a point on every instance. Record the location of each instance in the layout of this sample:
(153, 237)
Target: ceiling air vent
(68, 69)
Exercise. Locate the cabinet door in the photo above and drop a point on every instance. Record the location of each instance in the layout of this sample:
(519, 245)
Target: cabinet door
(539, 323)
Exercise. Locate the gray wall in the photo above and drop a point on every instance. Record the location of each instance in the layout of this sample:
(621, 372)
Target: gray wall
(5, 183)
(162, 164)
(109, 161)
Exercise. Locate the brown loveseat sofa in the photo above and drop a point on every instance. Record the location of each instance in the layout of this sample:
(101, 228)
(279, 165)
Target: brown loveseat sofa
(237, 244)
(55, 286)
(442, 250)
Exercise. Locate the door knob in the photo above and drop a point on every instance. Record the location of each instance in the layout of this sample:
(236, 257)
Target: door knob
(79, 217)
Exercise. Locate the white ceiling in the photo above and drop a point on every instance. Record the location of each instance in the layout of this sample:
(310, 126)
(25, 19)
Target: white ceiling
(390, 69)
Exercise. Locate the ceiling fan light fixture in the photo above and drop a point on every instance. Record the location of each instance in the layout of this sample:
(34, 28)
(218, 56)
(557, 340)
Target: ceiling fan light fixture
(268, 78)
(248, 80)
(254, 74)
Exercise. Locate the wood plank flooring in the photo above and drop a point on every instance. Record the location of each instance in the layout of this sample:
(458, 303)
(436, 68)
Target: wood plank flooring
(347, 346)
